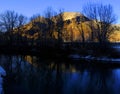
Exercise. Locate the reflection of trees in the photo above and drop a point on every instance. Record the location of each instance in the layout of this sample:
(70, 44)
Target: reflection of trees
(56, 76)
(43, 77)
(100, 81)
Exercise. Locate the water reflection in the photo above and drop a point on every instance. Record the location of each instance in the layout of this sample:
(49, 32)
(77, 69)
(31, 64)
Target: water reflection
(34, 75)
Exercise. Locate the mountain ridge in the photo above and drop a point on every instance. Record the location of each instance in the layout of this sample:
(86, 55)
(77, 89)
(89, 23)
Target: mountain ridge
(70, 15)
(69, 19)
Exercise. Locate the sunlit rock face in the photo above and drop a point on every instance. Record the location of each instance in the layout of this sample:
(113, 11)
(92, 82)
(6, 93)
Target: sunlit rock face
(115, 36)
(71, 30)
(70, 15)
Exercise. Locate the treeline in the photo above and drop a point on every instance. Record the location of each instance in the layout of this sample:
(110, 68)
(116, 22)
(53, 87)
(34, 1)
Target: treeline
(12, 25)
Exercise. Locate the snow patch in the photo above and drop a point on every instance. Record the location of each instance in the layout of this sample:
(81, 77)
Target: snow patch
(2, 73)
(74, 56)
(89, 57)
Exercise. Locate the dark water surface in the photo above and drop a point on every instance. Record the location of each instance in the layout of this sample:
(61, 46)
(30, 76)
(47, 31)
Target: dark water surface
(34, 75)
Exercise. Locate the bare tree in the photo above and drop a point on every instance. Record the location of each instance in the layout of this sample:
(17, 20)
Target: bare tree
(8, 21)
(21, 21)
(59, 25)
(36, 21)
(102, 17)
(68, 35)
(39, 24)
(49, 14)
(80, 21)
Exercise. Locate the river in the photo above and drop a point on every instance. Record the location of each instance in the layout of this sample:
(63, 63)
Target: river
(35, 75)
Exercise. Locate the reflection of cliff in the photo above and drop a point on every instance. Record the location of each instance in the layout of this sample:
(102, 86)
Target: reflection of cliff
(50, 64)
(58, 77)
(31, 60)
(75, 78)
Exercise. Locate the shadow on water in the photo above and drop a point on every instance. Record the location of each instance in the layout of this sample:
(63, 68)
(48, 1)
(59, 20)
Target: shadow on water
(34, 75)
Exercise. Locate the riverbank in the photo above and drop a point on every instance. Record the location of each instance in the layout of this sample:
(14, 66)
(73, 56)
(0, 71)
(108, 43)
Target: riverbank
(89, 49)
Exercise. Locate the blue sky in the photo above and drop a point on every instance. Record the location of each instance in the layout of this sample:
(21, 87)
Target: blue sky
(30, 7)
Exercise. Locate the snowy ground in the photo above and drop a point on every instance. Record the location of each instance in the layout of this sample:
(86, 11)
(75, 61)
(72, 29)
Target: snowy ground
(2, 73)
(117, 48)
(89, 57)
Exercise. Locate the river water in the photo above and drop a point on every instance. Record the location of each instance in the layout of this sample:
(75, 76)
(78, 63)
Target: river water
(35, 75)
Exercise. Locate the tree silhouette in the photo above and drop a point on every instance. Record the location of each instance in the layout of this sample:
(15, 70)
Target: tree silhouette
(21, 21)
(49, 14)
(103, 17)
(80, 20)
(8, 21)
(59, 25)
